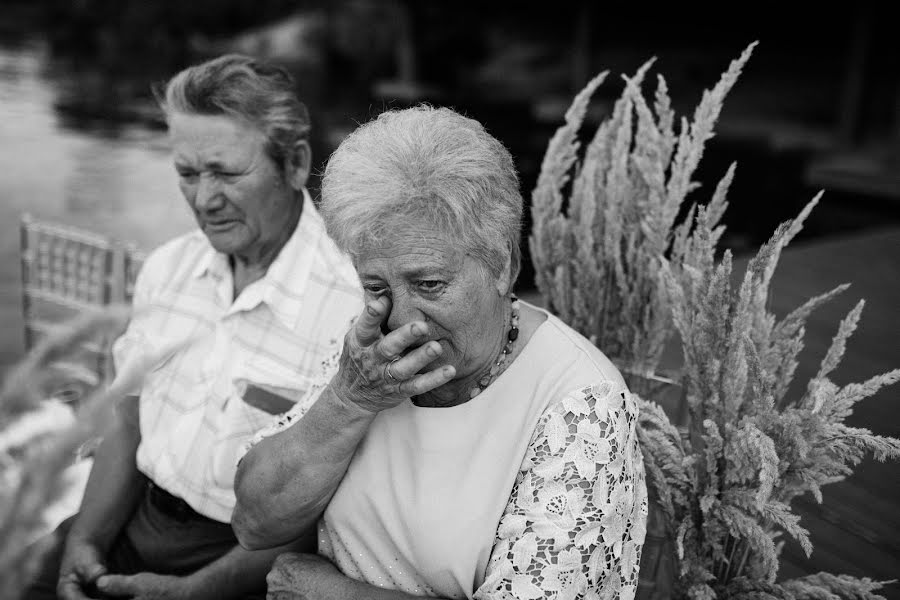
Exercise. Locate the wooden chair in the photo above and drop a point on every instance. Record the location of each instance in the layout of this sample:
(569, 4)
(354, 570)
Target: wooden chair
(65, 271)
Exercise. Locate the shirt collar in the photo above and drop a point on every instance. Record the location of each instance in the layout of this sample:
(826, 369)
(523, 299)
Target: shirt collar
(283, 286)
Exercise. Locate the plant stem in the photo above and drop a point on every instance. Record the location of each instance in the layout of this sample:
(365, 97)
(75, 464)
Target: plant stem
(722, 571)
(728, 572)
(744, 558)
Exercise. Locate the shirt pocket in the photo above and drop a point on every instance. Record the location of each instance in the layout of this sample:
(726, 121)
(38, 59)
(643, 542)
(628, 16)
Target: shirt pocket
(273, 376)
(251, 407)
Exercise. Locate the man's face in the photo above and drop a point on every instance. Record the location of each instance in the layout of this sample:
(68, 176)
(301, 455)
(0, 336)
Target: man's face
(240, 198)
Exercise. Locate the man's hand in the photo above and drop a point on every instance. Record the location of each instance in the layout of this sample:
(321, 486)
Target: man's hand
(147, 586)
(79, 569)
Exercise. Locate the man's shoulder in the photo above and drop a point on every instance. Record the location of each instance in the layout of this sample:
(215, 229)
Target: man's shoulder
(337, 268)
(176, 255)
(333, 267)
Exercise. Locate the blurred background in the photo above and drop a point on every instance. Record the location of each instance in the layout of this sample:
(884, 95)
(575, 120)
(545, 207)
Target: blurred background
(818, 107)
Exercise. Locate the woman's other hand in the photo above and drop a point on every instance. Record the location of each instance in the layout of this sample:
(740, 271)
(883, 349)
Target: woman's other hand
(310, 577)
(379, 371)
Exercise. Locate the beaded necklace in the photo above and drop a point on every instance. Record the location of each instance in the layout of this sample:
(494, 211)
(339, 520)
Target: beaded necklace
(503, 358)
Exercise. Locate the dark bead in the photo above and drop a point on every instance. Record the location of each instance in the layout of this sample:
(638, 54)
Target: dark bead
(513, 334)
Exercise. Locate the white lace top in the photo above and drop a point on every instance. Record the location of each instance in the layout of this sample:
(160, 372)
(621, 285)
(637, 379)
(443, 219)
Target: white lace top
(534, 489)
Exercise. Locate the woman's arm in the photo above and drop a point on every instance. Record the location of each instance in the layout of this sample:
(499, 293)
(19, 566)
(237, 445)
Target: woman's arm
(311, 577)
(284, 482)
(576, 519)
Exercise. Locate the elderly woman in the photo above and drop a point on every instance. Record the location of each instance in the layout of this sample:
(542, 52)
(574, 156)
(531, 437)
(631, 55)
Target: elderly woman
(469, 445)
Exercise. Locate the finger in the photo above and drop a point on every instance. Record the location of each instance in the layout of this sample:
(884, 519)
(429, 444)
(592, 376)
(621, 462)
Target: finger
(368, 326)
(70, 589)
(397, 341)
(89, 572)
(117, 585)
(427, 381)
(416, 360)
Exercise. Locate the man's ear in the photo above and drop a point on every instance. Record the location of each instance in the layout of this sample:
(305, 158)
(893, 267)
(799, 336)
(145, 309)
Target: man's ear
(299, 164)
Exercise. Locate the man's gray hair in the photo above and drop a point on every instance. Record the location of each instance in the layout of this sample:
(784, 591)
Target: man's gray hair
(245, 89)
(425, 165)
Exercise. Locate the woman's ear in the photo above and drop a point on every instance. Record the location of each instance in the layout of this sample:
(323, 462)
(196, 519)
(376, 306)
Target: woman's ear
(299, 165)
(504, 279)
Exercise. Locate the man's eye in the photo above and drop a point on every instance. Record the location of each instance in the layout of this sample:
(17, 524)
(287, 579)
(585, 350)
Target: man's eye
(431, 285)
(187, 174)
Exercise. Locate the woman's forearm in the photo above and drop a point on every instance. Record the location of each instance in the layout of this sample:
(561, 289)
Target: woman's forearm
(284, 482)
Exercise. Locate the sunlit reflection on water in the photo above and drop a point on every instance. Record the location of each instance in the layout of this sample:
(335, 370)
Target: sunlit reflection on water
(115, 180)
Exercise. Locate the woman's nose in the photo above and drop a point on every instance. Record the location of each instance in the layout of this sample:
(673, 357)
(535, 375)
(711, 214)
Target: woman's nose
(403, 311)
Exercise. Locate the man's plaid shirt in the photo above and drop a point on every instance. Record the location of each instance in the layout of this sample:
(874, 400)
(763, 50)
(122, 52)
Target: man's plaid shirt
(246, 360)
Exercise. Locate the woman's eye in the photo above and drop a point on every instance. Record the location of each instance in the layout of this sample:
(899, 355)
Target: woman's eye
(430, 285)
(375, 289)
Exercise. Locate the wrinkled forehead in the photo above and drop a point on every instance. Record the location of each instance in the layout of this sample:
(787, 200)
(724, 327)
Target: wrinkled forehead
(400, 236)
(416, 217)
(412, 253)
(213, 136)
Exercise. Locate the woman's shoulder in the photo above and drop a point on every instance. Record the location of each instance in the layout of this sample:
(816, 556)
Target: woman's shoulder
(575, 360)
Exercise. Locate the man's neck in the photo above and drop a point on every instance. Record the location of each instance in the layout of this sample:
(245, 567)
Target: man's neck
(247, 269)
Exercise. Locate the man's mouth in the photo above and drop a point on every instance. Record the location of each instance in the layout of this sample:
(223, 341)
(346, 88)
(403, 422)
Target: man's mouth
(219, 225)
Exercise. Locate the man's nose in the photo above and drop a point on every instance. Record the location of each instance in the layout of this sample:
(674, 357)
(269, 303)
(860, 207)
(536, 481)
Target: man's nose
(208, 195)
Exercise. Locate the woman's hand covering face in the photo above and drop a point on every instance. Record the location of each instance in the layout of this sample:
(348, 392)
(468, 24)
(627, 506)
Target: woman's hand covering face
(379, 371)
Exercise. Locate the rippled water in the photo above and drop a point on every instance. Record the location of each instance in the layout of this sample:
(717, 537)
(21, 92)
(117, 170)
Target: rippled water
(115, 181)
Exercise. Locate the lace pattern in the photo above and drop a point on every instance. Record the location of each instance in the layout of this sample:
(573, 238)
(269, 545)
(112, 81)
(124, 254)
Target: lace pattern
(575, 522)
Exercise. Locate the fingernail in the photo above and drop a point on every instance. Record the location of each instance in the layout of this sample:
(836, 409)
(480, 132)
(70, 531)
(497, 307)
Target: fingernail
(372, 309)
(433, 349)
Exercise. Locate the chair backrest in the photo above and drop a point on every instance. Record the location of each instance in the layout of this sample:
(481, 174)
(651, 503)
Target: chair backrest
(65, 271)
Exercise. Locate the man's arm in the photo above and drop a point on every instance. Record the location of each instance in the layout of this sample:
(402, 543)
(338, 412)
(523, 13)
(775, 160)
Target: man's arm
(235, 575)
(113, 490)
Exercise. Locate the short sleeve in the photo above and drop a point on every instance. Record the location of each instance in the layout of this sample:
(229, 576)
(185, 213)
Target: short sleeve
(129, 348)
(575, 522)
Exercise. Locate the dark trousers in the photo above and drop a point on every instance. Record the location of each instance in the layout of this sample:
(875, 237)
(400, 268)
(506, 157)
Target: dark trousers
(163, 536)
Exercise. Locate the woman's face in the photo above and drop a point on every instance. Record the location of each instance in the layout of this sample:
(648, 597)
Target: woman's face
(428, 278)
(237, 193)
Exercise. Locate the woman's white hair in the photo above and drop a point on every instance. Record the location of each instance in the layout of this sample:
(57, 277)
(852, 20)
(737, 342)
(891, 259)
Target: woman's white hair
(425, 165)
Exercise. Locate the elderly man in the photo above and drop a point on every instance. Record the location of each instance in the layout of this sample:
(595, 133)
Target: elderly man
(243, 311)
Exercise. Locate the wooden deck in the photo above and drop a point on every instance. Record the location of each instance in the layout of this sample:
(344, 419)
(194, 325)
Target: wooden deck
(856, 530)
